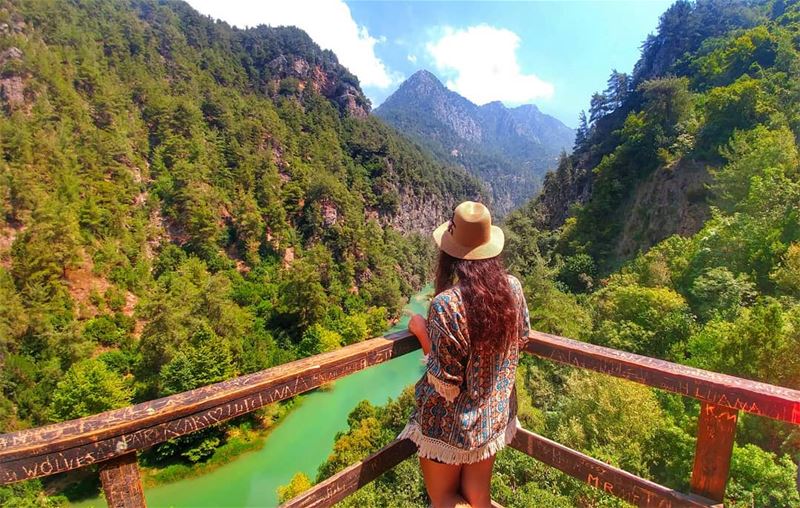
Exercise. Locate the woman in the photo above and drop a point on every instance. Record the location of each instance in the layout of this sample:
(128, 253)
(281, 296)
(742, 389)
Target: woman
(477, 322)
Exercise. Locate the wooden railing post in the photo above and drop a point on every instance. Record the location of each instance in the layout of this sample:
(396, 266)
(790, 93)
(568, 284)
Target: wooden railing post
(121, 483)
(716, 430)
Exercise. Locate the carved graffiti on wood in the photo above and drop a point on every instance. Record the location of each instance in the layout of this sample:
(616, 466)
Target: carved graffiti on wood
(719, 389)
(634, 490)
(121, 483)
(716, 430)
(17, 465)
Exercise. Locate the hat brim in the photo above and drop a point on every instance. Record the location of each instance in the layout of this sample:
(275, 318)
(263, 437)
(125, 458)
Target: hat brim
(490, 249)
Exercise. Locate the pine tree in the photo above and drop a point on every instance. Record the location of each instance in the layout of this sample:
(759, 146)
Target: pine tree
(582, 133)
(599, 107)
(618, 89)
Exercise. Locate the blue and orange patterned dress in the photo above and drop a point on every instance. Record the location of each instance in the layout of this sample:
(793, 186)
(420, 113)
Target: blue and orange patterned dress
(466, 404)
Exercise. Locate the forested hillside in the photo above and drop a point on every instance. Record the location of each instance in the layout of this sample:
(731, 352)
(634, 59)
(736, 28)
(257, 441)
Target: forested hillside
(508, 148)
(182, 202)
(701, 140)
(714, 67)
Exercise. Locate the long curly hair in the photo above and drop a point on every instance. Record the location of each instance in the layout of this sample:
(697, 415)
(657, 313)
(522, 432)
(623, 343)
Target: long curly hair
(491, 312)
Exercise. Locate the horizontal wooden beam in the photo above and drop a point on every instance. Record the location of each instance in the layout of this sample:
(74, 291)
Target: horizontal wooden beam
(616, 482)
(78, 443)
(352, 478)
(720, 389)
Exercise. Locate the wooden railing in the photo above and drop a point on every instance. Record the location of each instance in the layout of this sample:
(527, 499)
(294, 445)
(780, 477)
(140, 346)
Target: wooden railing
(112, 439)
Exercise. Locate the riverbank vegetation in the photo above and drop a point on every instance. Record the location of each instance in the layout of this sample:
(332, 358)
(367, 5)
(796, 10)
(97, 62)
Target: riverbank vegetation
(246, 436)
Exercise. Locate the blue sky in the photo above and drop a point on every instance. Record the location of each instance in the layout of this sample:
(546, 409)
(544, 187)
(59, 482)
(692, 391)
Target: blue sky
(554, 54)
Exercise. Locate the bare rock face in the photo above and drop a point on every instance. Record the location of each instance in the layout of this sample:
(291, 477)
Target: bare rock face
(330, 214)
(671, 201)
(12, 82)
(347, 96)
(11, 53)
(12, 91)
(13, 27)
(288, 257)
(352, 105)
(8, 233)
(418, 214)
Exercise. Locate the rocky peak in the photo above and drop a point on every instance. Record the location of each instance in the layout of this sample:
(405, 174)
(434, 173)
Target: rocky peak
(529, 109)
(494, 106)
(423, 87)
(424, 92)
(509, 148)
(423, 77)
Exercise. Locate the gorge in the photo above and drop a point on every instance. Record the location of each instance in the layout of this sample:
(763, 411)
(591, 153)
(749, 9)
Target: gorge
(183, 202)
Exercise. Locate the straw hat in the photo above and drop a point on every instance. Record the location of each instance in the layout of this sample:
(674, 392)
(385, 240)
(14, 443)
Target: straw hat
(470, 234)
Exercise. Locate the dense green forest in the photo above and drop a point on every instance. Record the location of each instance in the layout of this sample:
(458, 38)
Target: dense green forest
(717, 87)
(182, 202)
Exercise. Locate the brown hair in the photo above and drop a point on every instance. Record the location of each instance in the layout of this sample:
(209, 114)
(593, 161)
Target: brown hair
(492, 315)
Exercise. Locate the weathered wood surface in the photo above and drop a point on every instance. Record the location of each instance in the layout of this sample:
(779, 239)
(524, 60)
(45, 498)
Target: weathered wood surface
(70, 445)
(631, 488)
(122, 485)
(352, 478)
(716, 430)
(720, 389)
(77, 443)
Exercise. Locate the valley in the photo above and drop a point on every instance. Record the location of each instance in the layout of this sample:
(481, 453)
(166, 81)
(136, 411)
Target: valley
(184, 201)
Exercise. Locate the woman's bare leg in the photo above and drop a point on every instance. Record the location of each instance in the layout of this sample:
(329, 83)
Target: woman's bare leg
(476, 479)
(442, 482)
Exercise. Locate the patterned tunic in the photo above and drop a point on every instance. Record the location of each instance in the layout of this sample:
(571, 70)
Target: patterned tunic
(466, 404)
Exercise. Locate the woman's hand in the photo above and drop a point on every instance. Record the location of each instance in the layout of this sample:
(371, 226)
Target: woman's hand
(419, 327)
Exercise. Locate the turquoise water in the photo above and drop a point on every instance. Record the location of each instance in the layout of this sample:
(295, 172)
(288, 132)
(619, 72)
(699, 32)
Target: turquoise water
(301, 442)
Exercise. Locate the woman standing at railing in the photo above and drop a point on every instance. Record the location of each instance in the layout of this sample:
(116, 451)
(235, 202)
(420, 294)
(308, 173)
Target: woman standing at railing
(477, 322)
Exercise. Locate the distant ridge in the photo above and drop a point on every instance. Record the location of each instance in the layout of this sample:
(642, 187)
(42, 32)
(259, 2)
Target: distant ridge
(509, 148)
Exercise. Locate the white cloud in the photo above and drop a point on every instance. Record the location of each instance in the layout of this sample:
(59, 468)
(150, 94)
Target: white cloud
(412, 58)
(328, 22)
(482, 64)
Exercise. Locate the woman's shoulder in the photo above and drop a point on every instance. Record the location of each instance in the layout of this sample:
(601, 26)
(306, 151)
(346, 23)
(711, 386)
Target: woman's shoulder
(447, 296)
(514, 282)
(447, 301)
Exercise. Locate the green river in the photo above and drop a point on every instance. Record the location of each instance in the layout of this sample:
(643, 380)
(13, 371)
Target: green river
(301, 442)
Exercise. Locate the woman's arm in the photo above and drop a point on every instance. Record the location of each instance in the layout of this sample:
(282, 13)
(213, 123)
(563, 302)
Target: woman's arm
(419, 327)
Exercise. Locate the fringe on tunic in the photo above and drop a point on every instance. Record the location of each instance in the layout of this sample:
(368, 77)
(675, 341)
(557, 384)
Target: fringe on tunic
(435, 449)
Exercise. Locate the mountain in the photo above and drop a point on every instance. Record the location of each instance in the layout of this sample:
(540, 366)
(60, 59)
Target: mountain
(509, 148)
(182, 202)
